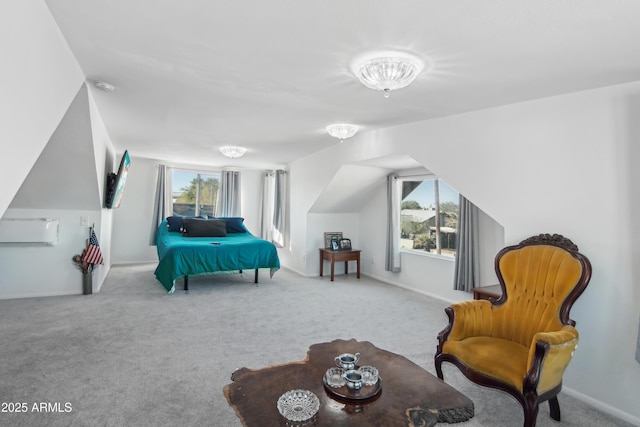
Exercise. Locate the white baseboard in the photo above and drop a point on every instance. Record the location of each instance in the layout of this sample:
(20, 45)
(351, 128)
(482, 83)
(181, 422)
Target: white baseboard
(409, 288)
(39, 295)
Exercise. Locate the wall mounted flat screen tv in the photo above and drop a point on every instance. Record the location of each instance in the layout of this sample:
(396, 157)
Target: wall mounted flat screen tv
(116, 183)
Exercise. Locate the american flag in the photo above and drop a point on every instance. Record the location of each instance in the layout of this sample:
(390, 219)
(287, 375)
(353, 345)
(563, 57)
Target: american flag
(92, 254)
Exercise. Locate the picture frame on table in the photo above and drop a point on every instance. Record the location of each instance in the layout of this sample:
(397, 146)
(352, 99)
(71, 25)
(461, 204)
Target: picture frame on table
(335, 244)
(345, 244)
(332, 235)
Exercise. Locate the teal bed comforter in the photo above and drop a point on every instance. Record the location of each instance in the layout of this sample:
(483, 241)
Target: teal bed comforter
(181, 256)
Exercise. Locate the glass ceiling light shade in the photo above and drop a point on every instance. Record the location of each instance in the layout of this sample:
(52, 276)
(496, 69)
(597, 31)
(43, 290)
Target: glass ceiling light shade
(232, 151)
(105, 86)
(387, 73)
(342, 131)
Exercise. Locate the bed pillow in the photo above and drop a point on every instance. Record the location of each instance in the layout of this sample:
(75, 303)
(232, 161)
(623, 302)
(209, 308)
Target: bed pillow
(193, 227)
(175, 223)
(235, 224)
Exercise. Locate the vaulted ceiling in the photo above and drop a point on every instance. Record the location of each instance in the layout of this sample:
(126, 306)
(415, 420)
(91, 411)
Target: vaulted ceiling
(194, 75)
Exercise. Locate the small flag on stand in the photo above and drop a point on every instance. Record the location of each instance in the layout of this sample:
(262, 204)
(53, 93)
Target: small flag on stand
(92, 254)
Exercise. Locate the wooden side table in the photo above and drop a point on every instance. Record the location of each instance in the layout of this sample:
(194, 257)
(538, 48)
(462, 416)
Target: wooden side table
(490, 293)
(345, 255)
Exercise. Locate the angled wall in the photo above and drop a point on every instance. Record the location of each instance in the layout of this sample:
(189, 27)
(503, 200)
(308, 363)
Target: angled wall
(64, 175)
(64, 184)
(38, 80)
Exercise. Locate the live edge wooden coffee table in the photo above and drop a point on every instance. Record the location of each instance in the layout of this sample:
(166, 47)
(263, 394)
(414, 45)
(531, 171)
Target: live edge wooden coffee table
(409, 396)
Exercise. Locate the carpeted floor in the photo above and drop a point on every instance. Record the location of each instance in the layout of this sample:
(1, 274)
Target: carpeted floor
(133, 356)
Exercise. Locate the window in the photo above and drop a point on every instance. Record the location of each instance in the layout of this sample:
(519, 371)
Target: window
(194, 193)
(429, 216)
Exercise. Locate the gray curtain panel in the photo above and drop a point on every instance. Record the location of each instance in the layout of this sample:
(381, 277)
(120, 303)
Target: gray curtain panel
(279, 208)
(392, 261)
(229, 194)
(467, 268)
(638, 346)
(162, 205)
(273, 205)
(266, 205)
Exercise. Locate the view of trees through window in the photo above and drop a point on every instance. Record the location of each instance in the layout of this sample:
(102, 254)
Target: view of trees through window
(429, 217)
(194, 193)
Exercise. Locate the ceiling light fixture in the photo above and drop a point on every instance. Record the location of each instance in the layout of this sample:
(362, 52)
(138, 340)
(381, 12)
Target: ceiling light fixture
(342, 131)
(104, 86)
(387, 73)
(232, 151)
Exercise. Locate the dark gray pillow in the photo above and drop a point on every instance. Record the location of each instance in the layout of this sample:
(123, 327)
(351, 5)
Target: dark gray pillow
(204, 227)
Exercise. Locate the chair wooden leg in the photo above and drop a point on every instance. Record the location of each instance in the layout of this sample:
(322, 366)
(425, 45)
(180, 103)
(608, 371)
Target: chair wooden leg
(530, 408)
(438, 364)
(554, 408)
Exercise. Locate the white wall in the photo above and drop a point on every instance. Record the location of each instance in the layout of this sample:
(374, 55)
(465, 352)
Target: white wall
(564, 165)
(132, 221)
(49, 191)
(39, 78)
(35, 270)
(104, 155)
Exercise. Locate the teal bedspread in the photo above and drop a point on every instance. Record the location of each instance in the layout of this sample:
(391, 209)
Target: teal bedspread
(181, 256)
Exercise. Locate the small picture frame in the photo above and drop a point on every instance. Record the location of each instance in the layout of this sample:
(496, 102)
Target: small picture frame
(328, 236)
(335, 244)
(345, 244)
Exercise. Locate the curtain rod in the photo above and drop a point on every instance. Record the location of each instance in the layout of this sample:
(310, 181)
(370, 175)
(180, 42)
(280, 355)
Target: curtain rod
(414, 176)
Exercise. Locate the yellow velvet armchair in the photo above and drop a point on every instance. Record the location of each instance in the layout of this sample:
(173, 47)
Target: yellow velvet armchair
(522, 342)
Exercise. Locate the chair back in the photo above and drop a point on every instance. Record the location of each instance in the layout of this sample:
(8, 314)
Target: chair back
(541, 278)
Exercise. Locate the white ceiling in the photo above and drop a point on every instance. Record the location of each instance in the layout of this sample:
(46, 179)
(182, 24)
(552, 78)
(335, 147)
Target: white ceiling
(193, 75)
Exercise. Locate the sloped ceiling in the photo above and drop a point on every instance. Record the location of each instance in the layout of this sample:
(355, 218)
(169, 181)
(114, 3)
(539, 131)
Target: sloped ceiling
(64, 176)
(353, 184)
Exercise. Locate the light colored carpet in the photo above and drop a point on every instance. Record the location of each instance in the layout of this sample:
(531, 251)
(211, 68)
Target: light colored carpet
(133, 356)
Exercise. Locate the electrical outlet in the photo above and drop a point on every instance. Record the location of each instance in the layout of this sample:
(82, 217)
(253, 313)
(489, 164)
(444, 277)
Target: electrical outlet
(372, 260)
(84, 221)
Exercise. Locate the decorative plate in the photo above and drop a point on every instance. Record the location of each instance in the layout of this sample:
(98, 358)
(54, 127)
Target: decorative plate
(298, 405)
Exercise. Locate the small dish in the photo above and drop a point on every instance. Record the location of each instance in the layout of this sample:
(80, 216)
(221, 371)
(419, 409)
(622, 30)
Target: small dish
(298, 405)
(369, 375)
(334, 377)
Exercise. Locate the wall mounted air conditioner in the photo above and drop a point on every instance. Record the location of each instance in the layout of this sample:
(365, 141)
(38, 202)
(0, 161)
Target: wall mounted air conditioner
(29, 230)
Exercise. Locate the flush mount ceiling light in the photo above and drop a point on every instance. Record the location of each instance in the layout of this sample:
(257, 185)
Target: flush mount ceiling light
(342, 131)
(104, 86)
(232, 151)
(389, 72)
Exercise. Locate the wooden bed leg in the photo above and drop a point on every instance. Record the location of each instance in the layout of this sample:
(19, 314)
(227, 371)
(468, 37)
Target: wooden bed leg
(186, 284)
(256, 280)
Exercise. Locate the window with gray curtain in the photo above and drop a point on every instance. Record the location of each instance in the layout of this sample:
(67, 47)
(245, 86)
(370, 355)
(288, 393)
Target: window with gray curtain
(273, 204)
(467, 268)
(229, 194)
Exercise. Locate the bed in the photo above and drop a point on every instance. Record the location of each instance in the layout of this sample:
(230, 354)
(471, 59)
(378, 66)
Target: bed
(187, 247)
